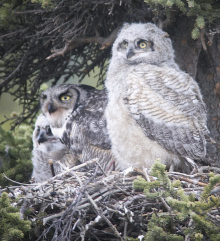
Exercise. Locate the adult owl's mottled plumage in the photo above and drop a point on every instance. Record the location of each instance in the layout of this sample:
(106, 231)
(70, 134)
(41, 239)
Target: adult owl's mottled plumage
(48, 148)
(76, 116)
(155, 110)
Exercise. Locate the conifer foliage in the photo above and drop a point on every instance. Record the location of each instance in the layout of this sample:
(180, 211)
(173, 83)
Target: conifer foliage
(52, 40)
(205, 12)
(12, 228)
(15, 154)
(185, 215)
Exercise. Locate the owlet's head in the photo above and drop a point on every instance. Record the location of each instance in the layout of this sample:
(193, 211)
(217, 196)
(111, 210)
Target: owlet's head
(142, 43)
(43, 139)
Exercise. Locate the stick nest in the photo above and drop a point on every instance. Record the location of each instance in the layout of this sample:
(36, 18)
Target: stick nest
(85, 203)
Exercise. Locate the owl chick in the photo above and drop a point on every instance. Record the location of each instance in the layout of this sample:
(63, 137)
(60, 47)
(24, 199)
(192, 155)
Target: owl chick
(48, 149)
(76, 116)
(155, 110)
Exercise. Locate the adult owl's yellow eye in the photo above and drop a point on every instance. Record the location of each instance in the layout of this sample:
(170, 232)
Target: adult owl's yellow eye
(64, 97)
(142, 45)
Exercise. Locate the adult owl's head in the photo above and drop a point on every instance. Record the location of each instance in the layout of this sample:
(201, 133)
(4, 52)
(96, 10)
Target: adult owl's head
(142, 43)
(59, 101)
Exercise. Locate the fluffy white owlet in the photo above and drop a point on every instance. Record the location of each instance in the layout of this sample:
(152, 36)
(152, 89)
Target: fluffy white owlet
(77, 116)
(47, 148)
(155, 110)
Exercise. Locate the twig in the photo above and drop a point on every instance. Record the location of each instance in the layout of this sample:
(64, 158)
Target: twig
(65, 172)
(63, 166)
(94, 236)
(134, 198)
(91, 224)
(51, 167)
(188, 178)
(45, 220)
(215, 190)
(98, 199)
(209, 168)
(213, 219)
(10, 191)
(24, 184)
(78, 179)
(193, 164)
(117, 234)
(23, 208)
(72, 44)
(146, 174)
(125, 229)
(214, 32)
(202, 37)
(186, 175)
(100, 167)
(193, 181)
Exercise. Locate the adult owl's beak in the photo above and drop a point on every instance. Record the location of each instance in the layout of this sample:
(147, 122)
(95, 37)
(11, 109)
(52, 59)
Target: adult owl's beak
(130, 52)
(51, 108)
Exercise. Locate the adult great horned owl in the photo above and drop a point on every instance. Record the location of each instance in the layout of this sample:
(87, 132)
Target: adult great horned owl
(76, 116)
(154, 109)
(48, 148)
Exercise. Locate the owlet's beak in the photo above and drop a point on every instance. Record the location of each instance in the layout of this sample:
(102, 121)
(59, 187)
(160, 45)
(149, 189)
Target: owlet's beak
(41, 137)
(130, 51)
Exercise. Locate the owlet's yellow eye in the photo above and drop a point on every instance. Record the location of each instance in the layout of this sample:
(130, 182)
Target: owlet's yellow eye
(142, 45)
(65, 97)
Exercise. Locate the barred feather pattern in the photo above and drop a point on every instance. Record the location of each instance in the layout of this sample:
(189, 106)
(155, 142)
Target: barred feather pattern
(83, 128)
(154, 109)
(169, 108)
(85, 132)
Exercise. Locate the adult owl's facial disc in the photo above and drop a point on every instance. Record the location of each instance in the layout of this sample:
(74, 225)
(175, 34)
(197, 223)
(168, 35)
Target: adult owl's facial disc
(142, 43)
(57, 103)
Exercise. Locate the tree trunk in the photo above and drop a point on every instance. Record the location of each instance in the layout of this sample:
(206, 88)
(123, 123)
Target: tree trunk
(208, 77)
(204, 67)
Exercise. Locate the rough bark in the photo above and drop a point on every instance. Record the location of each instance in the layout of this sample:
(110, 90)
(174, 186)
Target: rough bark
(204, 67)
(208, 77)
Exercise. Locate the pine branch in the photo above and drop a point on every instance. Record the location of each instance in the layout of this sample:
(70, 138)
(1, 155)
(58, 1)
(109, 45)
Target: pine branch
(72, 44)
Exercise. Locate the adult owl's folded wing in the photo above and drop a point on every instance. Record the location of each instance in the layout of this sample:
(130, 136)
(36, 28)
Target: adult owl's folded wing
(86, 132)
(168, 106)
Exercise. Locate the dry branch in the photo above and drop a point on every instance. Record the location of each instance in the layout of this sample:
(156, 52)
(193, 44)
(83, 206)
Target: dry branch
(72, 44)
(97, 209)
(86, 204)
(74, 29)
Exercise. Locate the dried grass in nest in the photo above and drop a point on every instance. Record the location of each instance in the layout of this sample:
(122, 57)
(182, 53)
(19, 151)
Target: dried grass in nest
(85, 203)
